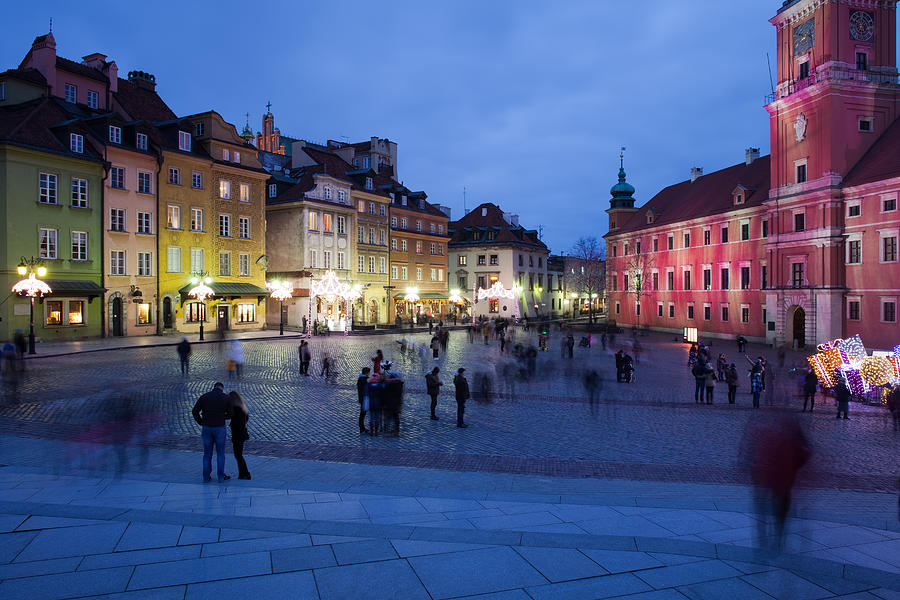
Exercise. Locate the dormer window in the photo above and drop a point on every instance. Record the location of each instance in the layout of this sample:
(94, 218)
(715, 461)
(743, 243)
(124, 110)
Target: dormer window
(76, 143)
(225, 155)
(739, 195)
(327, 193)
(141, 141)
(649, 218)
(237, 157)
(738, 198)
(369, 184)
(184, 140)
(198, 129)
(115, 134)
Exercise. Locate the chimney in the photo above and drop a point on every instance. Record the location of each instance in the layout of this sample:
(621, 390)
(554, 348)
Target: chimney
(752, 154)
(43, 58)
(512, 219)
(145, 81)
(112, 72)
(94, 61)
(443, 209)
(696, 173)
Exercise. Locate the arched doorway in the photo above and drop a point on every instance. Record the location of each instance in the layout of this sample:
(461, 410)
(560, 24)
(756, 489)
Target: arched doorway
(167, 313)
(117, 329)
(798, 328)
(373, 311)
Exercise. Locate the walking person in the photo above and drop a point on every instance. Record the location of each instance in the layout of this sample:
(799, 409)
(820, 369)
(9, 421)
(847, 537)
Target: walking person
(305, 357)
(184, 353)
(570, 344)
(462, 394)
(326, 366)
(810, 383)
(239, 434)
(433, 385)
(211, 411)
(362, 393)
(721, 365)
(756, 385)
(620, 365)
(435, 346)
(376, 362)
(237, 355)
(731, 378)
(842, 397)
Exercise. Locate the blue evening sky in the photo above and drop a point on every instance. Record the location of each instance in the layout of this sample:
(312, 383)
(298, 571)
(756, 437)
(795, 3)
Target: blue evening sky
(523, 103)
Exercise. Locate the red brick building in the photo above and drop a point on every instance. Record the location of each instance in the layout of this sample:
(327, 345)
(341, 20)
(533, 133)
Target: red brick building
(798, 247)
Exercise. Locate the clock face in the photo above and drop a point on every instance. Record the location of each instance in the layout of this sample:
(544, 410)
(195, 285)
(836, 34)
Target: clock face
(804, 36)
(862, 26)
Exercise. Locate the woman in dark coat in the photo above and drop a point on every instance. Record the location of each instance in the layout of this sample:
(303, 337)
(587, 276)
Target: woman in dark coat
(239, 434)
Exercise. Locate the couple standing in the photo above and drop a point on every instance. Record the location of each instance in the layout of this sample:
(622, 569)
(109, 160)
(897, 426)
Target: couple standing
(211, 411)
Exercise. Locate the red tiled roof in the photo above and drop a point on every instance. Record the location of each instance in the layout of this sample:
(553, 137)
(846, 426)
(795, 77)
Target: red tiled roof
(708, 195)
(882, 161)
(492, 220)
(30, 75)
(328, 163)
(31, 123)
(142, 104)
(79, 69)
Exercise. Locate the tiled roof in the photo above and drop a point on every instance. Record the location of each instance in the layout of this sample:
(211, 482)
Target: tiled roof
(31, 124)
(330, 164)
(882, 161)
(30, 75)
(492, 220)
(142, 104)
(709, 195)
(79, 69)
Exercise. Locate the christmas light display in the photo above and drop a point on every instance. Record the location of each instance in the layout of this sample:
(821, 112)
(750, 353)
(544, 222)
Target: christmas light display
(854, 380)
(31, 287)
(824, 375)
(876, 370)
(847, 361)
(853, 348)
(496, 292)
(895, 364)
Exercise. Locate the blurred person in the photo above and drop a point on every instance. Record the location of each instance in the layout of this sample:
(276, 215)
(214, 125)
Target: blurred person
(570, 345)
(710, 380)
(486, 332)
(326, 365)
(893, 402)
(184, 354)
(239, 434)
(237, 355)
(21, 345)
(433, 385)
(305, 357)
(842, 397)
(628, 369)
(211, 411)
(699, 371)
(484, 388)
(373, 392)
(721, 365)
(756, 386)
(9, 370)
(810, 383)
(435, 345)
(603, 340)
(692, 356)
(592, 386)
(362, 394)
(620, 365)
(392, 399)
(376, 362)
(462, 394)
(731, 378)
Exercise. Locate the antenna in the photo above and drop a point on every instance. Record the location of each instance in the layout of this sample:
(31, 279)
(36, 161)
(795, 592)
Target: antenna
(622, 158)
(464, 199)
(540, 232)
(51, 24)
(771, 81)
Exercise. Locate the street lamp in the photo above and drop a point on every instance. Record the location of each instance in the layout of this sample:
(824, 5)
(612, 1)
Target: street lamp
(201, 292)
(281, 291)
(31, 287)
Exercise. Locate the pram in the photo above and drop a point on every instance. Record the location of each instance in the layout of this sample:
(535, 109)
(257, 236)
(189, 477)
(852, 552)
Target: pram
(629, 372)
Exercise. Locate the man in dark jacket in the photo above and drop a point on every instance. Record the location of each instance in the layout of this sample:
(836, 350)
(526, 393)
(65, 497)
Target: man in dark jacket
(433, 384)
(211, 411)
(184, 353)
(462, 394)
(699, 372)
(810, 383)
(362, 386)
(842, 398)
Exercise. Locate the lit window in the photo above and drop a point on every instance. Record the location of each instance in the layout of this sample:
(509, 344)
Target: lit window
(143, 313)
(244, 265)
(237, 157)
(196, 219)
(224, 189)
(194, 312)
(245, 192)
(246, 313)
(326, 222)
(225, 154)
(173, 217)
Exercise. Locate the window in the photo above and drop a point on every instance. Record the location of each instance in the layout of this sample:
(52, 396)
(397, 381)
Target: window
(340, 260)
(862, 61)
(889, 249)
(687, 240)
(369, 185)
(237, 157)
(618, 308)
(440, 249)
(690, 311)
(79, 192)
(431, 228)
(745, 278)
(197, 260)
(328, 192)
(686, 279)
(418, 246)
(707, 312)
(144, 222)
(194, 312)
(196, 219)
(361, 235)
(224, 225)
(725, 234)
(461, 281)
(246, 312)
(853, 310)
(117, 178)
(659, 309)
(74, 314)
(888, 204)
(765, 228)
(402, 245)
(382, 210)
(144, 268)
(173, 217)
(313, 259)
(117, 262)
(311, 221)
(115, 134)
(419, 226)
(403, 223)
(245, 192)
(745, 313)
(371, 208)
(381, 235)
(173, 259)
(671, 240)
(865, 125)
(418, 273)
(804, 69)
(800, 221)
(225, 264)
(495, 260)
(801, 173)
(76, 143)
(404, 274)
(797, 274)
(143, 313)
(481, 260)
(326, 259)
(655, 279)
(79, 245)
(184, 139)
(670, 280)
(342, 226)
(707, 279)
(656, 244)
(93, 99)
(764, 278)
(382, 265)
(273, 190)
(71, 93)
(706, 237)
(889, 311)
(745, 231)
(724, 312)
(853, 252)
(198, 129)
(145, 183)
(197, 180)
(626, 249)
(463, 259)
(141, 141)
(394, 272)
(394, 222)
(372, 235)
(434, 274)
(342, 196)
(244, 265)
(117, 219)
(326, 222)
(174, 176)
(244, 228)
(371, 264)
(723, 278)
(224, 189)
(361, 264)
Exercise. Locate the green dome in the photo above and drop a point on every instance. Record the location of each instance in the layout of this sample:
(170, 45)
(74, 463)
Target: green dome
(623, 189)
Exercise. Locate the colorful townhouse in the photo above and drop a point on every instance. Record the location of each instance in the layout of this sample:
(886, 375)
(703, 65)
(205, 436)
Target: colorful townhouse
(796, 248)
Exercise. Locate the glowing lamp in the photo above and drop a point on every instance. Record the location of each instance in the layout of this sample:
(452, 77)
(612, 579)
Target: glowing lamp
(690, 335)
(41, 271)
(876, 370)
(22, 269)
(455, 297)
(412, 294)
(31, 287)
(280, 290)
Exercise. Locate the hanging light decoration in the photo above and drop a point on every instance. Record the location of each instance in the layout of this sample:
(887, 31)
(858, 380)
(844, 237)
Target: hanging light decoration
(330, 285)
(31, 287)
(280, 290)
(496, 292)
(412, 294)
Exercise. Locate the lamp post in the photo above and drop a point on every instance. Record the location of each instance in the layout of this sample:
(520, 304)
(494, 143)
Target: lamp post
(202, 292)
(281, 291)
(31, 287)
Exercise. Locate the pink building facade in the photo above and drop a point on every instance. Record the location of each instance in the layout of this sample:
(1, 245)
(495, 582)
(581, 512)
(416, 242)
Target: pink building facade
(798, 247)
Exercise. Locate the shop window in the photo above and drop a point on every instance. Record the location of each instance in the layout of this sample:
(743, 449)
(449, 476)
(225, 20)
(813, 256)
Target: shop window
(246, 313)
(494, 306)
(143, 314)
(194, 312)
(54, 312)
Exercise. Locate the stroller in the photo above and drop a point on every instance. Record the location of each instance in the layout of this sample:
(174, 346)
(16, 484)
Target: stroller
(585, 342)
(628, 370)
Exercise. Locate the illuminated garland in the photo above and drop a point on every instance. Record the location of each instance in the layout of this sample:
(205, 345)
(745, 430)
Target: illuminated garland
(876, 370)
(854, 380)
(853, 348)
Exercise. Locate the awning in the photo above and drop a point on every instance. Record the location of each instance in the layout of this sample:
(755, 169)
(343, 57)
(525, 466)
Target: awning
(423, 296)
(75, 287)
(229, 290)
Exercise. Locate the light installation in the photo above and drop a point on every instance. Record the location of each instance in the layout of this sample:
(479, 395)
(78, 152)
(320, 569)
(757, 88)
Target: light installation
(847, 360)
(332, 287)
(201, 292)
(496, 292)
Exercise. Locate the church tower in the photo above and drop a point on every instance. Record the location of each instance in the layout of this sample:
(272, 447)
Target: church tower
(270, 138)
(621, 206)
